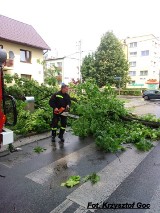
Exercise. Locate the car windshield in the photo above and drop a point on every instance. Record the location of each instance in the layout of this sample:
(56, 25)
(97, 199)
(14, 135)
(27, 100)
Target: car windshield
(150, 91)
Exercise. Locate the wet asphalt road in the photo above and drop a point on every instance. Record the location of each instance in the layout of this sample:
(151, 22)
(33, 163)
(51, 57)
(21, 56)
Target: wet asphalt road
(152, 107)
(141, 107)
(20, 194)
(32, 182)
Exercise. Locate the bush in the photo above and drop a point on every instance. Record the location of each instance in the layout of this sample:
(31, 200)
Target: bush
(130, 92)
(30, 122)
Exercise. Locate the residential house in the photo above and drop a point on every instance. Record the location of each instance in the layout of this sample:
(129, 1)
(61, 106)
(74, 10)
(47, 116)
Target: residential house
(23, 46)
(68, 68)
(143, 54)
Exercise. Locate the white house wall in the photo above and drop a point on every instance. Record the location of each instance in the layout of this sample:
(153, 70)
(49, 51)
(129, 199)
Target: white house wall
(34, 69)
(71, 70)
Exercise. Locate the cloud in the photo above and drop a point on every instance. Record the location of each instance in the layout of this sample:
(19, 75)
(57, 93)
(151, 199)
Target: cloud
(61, 23)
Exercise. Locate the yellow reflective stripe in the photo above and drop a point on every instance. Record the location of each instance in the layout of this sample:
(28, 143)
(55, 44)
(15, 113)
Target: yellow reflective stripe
(54, 128)
(62, 127)
(59, 96)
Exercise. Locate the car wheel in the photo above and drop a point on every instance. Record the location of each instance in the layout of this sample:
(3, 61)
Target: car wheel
(146, 97)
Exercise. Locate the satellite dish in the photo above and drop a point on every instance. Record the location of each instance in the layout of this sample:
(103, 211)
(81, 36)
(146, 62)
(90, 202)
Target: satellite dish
(11, 55)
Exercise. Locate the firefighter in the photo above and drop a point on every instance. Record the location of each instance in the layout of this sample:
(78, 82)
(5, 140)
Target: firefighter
(59, 100)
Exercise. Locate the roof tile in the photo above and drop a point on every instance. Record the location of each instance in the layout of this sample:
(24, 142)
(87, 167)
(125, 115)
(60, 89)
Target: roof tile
(19, 32)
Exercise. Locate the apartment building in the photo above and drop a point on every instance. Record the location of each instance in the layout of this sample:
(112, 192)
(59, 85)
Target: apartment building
(143, 54)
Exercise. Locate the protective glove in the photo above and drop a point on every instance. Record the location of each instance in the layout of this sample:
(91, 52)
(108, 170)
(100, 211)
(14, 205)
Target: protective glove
(56, 111)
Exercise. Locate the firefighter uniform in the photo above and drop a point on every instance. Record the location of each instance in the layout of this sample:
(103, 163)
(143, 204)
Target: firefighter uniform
(59, 100)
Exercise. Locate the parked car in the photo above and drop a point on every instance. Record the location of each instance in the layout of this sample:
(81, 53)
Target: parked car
(151, 94)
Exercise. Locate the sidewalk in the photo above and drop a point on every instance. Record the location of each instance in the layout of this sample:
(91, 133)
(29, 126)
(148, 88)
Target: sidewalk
(27, 140)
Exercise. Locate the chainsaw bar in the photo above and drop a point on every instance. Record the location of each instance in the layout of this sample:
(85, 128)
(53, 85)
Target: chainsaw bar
(69, 115)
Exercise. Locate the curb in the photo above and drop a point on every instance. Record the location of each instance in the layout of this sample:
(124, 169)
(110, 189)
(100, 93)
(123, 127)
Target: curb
(27, 140)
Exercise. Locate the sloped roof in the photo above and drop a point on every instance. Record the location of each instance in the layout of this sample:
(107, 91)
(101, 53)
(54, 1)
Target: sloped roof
(21, 33)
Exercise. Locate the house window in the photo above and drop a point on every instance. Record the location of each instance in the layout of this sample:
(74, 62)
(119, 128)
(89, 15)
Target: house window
(142, 78)
(133, 44)
(26, 76)
(59, 64)
(1, 46)
(52, 64)
(25, 56)
(145, 53)
(132, 63)
(144, 73)
(132, 73)
(133, 53)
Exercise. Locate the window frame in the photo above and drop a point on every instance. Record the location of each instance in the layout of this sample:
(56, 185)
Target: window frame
(143, 71)
(133, 54)
(27, 60)
(132, 73)
(133, 44)
(145, 53)
(26, 76)
(59, 64)
(132, 63)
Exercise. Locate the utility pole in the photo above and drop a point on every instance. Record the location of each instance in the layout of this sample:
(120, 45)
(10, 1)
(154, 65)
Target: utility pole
(80, 59)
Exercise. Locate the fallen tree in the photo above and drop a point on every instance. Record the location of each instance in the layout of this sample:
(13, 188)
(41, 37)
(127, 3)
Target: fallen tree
(104, 116)
(152, 124)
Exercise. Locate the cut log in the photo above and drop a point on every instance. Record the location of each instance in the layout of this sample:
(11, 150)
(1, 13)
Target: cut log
(151, 124)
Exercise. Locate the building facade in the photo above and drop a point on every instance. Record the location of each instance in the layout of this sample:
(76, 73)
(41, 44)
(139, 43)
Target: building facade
(24, 47)
(68, 68)
(143, 54)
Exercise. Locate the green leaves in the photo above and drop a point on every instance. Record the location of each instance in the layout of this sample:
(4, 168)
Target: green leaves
(100, 113)
(39, 149)
(94, 178)
(88, 67)
(144, 145)
(72, 181)
(29, 122)
(107, 62)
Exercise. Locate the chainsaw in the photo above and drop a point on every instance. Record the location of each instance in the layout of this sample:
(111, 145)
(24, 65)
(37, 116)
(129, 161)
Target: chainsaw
(62, 111)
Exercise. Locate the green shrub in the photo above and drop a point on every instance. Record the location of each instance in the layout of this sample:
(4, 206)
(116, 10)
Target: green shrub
(130, 92)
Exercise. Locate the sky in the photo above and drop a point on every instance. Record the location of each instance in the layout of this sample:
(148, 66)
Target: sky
(63, 23)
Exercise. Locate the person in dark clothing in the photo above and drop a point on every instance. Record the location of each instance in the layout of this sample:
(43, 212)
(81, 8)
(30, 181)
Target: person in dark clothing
(59, 100)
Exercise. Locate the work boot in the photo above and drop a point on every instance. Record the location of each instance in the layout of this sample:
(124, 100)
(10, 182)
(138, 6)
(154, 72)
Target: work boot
(61, 138)
(61, 134)
(53, 139)
(53, 135)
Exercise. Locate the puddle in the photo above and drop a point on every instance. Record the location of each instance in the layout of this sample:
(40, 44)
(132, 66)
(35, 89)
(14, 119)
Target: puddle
(61, 173)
